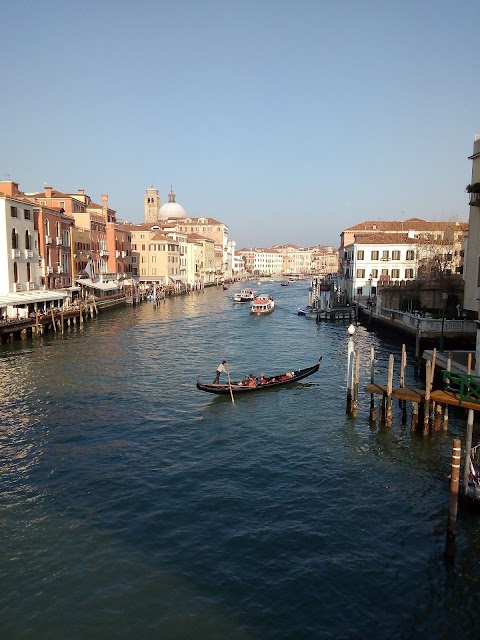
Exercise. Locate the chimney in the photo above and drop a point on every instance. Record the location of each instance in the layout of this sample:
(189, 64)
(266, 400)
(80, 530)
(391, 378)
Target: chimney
(9, 187)
(48, 192)
(105, 207)
(81, 192)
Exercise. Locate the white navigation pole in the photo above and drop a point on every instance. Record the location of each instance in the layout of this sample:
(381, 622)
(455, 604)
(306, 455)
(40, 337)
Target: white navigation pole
(350, 367)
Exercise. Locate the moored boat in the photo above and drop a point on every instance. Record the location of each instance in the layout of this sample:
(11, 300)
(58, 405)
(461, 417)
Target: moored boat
(250, 383)
(262, 305)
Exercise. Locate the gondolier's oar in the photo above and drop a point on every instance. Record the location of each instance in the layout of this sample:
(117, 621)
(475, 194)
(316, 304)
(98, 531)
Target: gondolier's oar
(230, 384)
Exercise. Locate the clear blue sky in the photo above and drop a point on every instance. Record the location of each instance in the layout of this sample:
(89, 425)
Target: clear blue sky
(287, 120)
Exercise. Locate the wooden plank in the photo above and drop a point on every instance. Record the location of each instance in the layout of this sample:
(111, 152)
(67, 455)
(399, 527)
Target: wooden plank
(453, 399)
(402, 393)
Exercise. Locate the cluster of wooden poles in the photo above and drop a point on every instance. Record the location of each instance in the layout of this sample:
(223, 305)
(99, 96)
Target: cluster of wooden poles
(426, 417)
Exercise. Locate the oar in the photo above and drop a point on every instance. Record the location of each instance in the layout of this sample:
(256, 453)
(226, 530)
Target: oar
(230, 384)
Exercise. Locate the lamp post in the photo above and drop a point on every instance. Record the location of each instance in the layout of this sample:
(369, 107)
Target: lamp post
(444, 298)
(370, 280)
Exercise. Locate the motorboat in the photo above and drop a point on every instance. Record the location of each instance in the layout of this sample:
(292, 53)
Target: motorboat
(245, 295)
(262, 305)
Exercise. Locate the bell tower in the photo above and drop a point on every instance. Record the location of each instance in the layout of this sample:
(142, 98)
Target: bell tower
(151, 205)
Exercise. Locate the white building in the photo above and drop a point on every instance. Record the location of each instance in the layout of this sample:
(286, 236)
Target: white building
(371, 260)
(19, 256)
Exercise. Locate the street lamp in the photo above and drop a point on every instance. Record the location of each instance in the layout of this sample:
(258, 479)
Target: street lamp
(370, 280)
(444, 298)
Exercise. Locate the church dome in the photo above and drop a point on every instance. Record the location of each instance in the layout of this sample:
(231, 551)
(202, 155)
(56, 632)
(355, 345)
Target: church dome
(171, 209)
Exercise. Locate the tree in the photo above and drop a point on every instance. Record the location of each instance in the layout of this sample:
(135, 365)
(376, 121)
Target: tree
(439, 250)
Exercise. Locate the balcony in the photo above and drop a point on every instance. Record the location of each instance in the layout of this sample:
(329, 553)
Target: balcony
(475, 199)
(48, 270)
(48, 239)
(104, 253)
(124, 254)
(59, 241)
(31, 286)
(60, 268)
(117, 254)
(15, 253)
(17, 287)
(28, 253)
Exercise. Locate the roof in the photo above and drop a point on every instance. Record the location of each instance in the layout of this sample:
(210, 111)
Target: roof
(411, 224)
(29, 297)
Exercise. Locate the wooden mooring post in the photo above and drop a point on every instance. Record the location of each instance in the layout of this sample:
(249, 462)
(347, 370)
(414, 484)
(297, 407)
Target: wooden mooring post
(389, 408)
(373, 414)
(452, 512)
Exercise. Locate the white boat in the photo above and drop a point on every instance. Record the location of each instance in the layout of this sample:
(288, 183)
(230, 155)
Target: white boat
(262, 305)
(245, 295)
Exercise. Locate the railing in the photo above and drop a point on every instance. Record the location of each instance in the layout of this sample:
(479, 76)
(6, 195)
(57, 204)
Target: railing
(59, 241)
(467, 386)
(426, 324)
(475, 199)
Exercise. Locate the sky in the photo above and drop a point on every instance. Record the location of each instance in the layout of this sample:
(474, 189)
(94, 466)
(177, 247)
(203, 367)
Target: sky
(289, 121)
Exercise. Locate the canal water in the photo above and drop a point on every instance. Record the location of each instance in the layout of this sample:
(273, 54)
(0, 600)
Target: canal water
(135, 506)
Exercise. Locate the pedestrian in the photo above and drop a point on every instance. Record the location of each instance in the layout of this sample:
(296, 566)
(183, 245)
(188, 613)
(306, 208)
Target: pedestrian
(220, 369)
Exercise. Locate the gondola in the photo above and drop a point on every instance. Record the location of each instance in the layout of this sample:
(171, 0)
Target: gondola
(262, 383)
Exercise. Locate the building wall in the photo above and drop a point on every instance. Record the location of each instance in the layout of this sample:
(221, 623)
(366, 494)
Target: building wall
(20, 260)
(472, 258)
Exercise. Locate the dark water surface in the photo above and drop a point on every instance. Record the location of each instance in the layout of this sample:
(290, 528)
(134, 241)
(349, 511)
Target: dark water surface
(134, 506)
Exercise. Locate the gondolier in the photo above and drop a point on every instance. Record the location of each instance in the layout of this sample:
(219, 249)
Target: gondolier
(220, 369)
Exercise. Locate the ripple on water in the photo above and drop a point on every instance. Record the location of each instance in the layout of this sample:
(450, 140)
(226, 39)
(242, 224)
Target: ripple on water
(133, 504)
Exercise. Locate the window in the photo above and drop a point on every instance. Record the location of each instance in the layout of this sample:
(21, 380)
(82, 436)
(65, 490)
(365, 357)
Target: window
(15, 240)
(144, 272)
(143, 247)
(374, 255)
(410, 254)
(29, 273)
(408, 273)
(13, 212)
(360, 255)
(15, 272)
(27, 214)
(374, 273)
(154, 258)
(395, 255)
(143, 259)
(384, 272)
(396, 273)
(385, 255)
(360, 273)
(28, 241)
(154, 272)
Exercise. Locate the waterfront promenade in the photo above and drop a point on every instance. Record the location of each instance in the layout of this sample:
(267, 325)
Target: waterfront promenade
(135, 505)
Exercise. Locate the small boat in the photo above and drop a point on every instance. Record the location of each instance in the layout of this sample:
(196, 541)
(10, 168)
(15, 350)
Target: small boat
(262, 305)
(225, 288)
(249, 384)
(284, 283)
(245, 295)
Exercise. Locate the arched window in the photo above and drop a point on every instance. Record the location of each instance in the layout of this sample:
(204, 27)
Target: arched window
(28, 272)
(14, 240)
(28, 240)
(57, 227)
(15, 272)
(47, 227)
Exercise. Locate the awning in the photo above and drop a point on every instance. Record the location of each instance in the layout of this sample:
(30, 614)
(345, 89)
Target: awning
(102, 286)
(30, 297)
